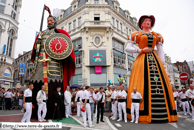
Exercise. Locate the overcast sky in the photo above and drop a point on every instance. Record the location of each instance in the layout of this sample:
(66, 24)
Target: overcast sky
(174, 20)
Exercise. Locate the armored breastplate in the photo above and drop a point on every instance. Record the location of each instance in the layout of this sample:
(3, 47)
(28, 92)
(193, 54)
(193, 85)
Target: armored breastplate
(54, 67)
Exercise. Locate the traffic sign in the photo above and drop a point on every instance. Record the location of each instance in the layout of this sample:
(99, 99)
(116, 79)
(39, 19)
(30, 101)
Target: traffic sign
(184, 76)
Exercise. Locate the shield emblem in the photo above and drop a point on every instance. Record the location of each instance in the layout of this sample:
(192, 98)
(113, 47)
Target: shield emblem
(58, 46)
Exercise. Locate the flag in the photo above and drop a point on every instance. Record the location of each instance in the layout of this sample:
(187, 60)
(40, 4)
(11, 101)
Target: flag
(47, 8)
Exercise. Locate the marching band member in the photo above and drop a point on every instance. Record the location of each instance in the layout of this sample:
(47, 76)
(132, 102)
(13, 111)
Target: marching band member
(27, 103)
(77, 100)
(184, 103)
(136, 100)
(41, 100)
(67, 101)
(190, 95)
(175, 93)
(85, 104)
(122, 103)
(97, 90)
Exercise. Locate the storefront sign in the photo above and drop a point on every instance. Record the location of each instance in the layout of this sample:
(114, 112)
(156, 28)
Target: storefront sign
(97, 57)
(98, 69)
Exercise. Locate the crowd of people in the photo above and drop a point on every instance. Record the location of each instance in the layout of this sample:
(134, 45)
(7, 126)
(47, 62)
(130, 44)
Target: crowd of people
(11, 99)
(91, 103)
(183, 100)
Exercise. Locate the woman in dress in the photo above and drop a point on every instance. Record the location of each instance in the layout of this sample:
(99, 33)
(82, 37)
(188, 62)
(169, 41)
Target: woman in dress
(149, 76)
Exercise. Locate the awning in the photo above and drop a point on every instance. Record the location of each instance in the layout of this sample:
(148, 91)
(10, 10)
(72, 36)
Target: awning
(2, 82)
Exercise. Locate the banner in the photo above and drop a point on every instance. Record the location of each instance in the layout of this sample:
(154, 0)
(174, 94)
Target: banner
(191, 66)
(170, 71)
(22, 67)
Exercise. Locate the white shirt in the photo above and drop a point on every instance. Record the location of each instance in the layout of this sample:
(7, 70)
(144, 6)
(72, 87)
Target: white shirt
(136, 95)
(78, 95)
(190, 93)
(91, 99)
(117, 93)
(59, 93)
(28, 93)
(8, 94)
(67, 97)
(114, 94)
(85, 95)
(175, 94)
(99, 96)
(122, 93)
(182, 95)
(44, 98)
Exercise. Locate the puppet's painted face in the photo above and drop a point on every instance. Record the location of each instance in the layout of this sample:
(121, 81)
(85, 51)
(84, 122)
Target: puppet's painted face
(146, 23)
(50, 22)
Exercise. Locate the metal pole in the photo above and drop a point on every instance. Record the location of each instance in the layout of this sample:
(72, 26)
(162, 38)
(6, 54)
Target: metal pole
(42, 19)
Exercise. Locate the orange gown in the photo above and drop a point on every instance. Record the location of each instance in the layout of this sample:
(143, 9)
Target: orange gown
(149, 76)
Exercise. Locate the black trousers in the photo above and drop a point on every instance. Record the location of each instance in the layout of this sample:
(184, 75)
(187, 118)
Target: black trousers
(59, 111)
(100, 107)
(8, 103)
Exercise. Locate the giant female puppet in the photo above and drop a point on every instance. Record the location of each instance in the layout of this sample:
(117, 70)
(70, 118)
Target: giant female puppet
(149, 76)
(54, 63)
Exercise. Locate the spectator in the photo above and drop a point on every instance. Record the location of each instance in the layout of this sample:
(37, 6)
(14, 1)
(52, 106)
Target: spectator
(8, 96)
(100, 97)
(92, 100)
(21, 101)
(1, 98)
(108, 99)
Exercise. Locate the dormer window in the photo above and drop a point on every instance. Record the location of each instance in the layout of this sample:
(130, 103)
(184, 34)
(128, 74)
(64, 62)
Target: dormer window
(75, 7)
(96, 2)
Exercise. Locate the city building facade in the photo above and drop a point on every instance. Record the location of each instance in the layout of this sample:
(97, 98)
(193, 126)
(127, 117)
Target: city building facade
(183, 67)
(20, 80)
(99, 31)
(9, 17)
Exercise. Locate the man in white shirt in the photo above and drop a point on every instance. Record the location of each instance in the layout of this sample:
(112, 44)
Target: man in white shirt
(122, 95)
(8, 96)
(175, 93)
(184, 103)
(92, 100)
(67, 101)
(41, 100)
(114, 103)
(86, 105)
(97, 90)
(77, 101)
(100, 97)
(27, 103)
(136, 100)
(190, 96)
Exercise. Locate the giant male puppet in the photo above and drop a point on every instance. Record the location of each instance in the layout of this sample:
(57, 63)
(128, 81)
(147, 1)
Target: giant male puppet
(54, 63)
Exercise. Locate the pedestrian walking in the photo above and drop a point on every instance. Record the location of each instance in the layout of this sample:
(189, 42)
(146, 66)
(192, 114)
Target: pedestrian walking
(41, 99)
(27, 103)
(136, 100)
